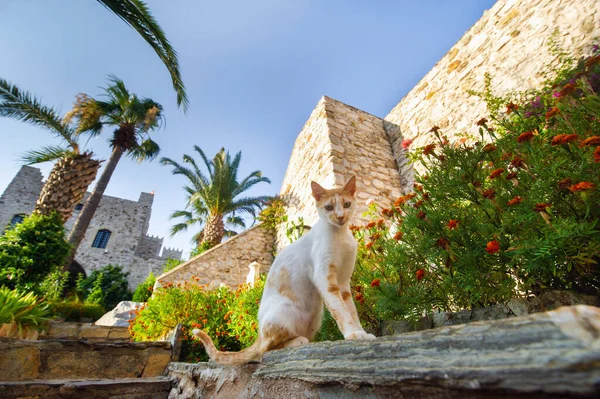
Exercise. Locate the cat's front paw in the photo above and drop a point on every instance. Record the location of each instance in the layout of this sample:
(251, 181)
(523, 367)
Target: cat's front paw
(359, 335)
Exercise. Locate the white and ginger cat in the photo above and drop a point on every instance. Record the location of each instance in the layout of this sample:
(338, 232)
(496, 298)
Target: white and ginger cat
(314, 269)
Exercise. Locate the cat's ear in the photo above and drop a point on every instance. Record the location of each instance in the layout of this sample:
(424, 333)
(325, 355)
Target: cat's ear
(350, 187)
(317, 191)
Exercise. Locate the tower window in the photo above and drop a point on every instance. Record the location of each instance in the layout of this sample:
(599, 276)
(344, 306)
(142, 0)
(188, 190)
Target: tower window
(101, 239)
(17, 219)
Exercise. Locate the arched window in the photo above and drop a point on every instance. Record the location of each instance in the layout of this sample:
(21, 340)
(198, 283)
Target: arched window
(101, 239)
(17, 219)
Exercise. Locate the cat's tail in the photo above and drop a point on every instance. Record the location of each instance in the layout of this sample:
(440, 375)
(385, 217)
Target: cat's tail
(254, 352)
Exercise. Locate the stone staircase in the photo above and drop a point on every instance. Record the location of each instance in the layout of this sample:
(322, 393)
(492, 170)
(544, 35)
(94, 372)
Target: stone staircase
(74, 360)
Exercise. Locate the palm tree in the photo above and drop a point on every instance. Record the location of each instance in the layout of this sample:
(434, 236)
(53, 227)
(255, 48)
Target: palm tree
(133, 118)
(215, 196)
(137, 15)
(74, 170)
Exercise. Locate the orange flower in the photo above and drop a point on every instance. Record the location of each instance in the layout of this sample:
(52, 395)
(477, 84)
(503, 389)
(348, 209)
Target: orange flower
(482, 122)
(428, 149)
(496, 173)
(515, 201)
(569, 88)
(371, 225)
(442, 242)
(406, 144)
(420, 274)
(511, 175)
(591, 61)
(358, 288)
(492, 247)
(582, 186)
(452, 224)
(594, 140)
(380, 223)
(369, 244)
(387, 212)
(597, 154)
(489, 148)
(563, 139)
(511, 108)
(490, 194)
(376, 283)
(398, 236)
(375, 237)
(526, 136)
(421, 215)
(434, 129)
(360, 298)
(418, 204)
(541, 207)
(418, 187)
(517, 162)
(552, 112)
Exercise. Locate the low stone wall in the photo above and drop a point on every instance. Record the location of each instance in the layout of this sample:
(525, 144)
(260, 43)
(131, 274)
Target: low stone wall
(228, 262)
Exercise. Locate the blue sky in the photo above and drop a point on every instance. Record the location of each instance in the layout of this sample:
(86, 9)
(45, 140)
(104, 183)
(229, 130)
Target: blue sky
(254, 70)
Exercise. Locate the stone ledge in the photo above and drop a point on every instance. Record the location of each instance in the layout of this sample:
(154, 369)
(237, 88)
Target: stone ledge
(553, 354)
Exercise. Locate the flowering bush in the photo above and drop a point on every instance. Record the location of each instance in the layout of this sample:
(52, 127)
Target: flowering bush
(512, 212)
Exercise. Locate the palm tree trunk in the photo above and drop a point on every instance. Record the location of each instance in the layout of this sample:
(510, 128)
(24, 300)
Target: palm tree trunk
(66, 185)
(90, 206)
(214, 230)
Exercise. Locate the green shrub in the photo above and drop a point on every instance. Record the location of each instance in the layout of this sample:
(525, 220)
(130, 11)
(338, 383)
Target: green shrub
(242, 317)
(21, 308)
(145, 289)
(106, 286)
(75, 310)
(31, 249)
(512, 212)
(172, 264)
(54, 284)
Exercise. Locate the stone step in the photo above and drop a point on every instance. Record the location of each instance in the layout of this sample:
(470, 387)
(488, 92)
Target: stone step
(85, 331)
(129, 388)
(22, 360)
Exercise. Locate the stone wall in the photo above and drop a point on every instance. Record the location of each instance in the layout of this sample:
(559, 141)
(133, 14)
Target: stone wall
(510, 42)
(20, 195)
(226, 263)
(339, 141)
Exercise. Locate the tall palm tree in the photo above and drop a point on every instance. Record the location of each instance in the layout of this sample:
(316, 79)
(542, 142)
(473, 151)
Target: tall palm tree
(74, 170)
(137, 15)
(133, 118)
(213, 199)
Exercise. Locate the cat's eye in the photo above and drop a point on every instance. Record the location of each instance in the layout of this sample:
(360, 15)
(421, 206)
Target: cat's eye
(329, 207)
(347, 204)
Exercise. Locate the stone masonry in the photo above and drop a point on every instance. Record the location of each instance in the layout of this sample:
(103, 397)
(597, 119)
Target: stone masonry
(227, 263)
(511, 42)
(128, 221)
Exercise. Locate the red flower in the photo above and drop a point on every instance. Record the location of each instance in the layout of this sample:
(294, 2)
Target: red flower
(380, 223)
(496, 173)
(517, 162)
(541, 207)
(421, 215)
(511, 175)
(418, 204)
(434, 129)
(525, 137)
(489, 148)
(569, 88)
(490, 194)
(552, 112)
(564, 183)
(369, 244)
(582, 186)
(594, 140)
(420, 274)
(376, 283)
(406, 143)
(492, 247)
(398, 236)
(511, 108)
(452, 224)
(370, 225)
(563, 139)
(428, 149)
(360, 298)
(387, 212)
(477, 184)
(597, 154)
(482, 122)
(516, 200)
(591, 61)
(442, 242)
(358, 288)
(418, 187)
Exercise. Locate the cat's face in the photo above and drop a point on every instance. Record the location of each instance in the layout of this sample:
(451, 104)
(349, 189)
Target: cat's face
(336, 206)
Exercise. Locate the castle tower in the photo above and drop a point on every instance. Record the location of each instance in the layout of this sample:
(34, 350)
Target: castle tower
(20, 196)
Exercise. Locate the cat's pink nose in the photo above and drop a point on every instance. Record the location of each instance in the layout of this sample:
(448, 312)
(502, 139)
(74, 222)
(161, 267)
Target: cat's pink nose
(340, 218)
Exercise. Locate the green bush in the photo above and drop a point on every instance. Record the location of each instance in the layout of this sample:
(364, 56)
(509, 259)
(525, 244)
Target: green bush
(31, 249)
(24, 309)
(172, 264)
(106, 286)
(145, 289)
(54, 284)
(511, 212)
(75, 310)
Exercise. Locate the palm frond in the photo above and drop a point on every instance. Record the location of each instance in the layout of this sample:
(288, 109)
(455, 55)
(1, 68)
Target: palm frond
(45, 154)
(23, 106)
(137, 15)
(146, 150)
